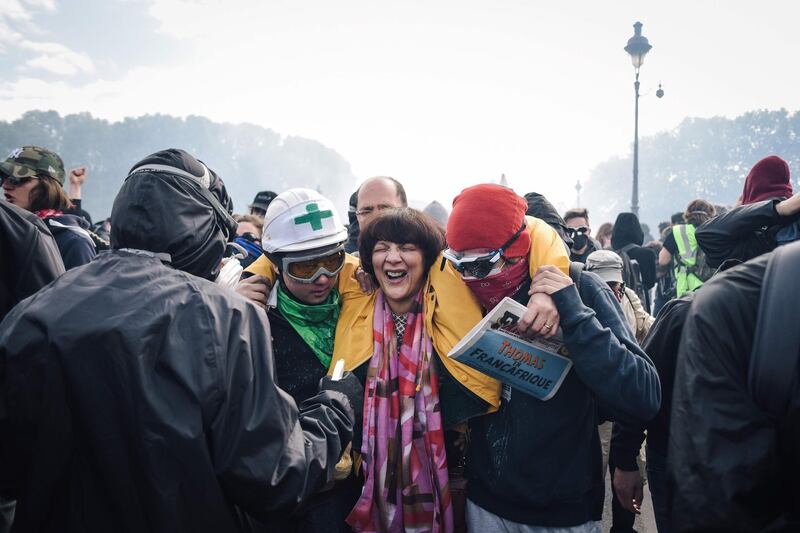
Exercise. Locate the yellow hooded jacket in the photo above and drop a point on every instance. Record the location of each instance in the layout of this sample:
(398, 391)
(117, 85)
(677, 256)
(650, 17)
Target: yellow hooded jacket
(451, 310)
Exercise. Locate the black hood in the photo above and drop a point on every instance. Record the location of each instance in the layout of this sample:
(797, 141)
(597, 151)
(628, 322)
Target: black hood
(540, 207)
(627, 230)
(166, 211)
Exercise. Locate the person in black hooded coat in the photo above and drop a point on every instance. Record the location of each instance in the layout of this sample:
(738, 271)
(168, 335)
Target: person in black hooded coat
(30, 260)
(628, 237)
(733, 464)
(138, 395)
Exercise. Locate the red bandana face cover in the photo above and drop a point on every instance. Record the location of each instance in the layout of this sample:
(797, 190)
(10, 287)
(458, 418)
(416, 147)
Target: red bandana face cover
(491, 289)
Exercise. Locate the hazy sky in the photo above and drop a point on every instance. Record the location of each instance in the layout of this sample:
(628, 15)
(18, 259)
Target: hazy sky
(440, 94)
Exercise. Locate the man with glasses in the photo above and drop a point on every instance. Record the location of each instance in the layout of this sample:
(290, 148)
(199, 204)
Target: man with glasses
(377, 194)
(580, 232)
(304, 241)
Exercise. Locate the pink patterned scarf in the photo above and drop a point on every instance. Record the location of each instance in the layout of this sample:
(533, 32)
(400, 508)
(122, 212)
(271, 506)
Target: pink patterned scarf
(405, 467)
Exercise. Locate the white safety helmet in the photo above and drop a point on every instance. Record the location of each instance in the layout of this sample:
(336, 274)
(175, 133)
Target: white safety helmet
(301, 219)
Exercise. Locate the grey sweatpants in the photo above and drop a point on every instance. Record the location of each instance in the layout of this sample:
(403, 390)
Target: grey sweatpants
(479, 520)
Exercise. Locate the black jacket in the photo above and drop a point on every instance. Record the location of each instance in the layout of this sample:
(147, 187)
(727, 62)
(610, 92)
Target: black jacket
(729, 469)
(742, 233)
(30, 257)
(539, 463)
(297, 369)
(138, 397)
(661, 345)
(591, 246)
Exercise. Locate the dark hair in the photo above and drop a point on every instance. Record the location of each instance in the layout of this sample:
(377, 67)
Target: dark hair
(48, 194)
(577, 212)
(698, 211)
(676, 218)
(402, 226)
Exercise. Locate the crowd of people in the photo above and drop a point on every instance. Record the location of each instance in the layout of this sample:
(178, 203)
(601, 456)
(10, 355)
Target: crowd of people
(180, 367)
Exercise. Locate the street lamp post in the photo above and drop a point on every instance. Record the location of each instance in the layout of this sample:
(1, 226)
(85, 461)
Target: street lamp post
(637, 47)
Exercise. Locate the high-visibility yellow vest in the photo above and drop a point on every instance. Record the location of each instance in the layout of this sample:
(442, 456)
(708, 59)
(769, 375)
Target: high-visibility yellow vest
(685, 281)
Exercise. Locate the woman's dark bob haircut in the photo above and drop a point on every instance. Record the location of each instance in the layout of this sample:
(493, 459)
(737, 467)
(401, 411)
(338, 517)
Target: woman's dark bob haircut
(402, 226)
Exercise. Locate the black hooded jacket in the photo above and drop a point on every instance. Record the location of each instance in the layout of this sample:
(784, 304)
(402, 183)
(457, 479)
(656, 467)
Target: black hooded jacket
(30, 256)
(628, 230)
(138, 397)
(733, 467)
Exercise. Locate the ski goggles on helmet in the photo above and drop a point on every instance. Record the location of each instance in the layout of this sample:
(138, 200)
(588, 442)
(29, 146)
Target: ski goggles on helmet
(479, 266)
(308, 268)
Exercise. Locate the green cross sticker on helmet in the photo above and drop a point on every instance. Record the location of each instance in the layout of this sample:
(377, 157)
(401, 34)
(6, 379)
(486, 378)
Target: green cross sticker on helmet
(301, 220)
(314, 216)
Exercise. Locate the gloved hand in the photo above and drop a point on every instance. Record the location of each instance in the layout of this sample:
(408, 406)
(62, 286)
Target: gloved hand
(351, 387)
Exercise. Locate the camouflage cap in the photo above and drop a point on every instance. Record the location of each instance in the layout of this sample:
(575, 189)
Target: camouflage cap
(30, 161)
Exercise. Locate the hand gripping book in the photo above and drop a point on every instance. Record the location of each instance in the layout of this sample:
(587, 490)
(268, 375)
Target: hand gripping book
(535, 366)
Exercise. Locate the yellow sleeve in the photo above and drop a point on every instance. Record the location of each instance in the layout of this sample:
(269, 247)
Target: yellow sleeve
(547, 248)
(262, 267)
(353, 340)
(451, 311)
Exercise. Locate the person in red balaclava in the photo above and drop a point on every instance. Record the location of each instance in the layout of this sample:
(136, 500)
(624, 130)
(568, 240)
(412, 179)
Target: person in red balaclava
(535, 464)
(752, 228)
(769, 178)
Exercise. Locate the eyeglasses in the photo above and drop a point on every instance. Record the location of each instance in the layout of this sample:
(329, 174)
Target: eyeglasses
(479, 266)
(305, 269)
(575, 232)
(370, 210)
(15, 181)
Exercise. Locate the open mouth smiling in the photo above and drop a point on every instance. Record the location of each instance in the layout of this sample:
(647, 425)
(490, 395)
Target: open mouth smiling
(395, 275)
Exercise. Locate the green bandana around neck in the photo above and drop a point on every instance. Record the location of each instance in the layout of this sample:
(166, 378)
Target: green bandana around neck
(316, 324)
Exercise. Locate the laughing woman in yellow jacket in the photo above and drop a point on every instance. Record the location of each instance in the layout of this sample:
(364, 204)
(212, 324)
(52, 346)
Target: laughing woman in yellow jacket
(451, 310)
(412, 411)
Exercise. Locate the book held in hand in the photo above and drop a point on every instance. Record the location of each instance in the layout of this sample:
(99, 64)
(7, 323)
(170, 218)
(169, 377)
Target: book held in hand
(535, 366)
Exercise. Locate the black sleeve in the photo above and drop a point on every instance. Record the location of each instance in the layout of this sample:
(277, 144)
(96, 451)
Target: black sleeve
(661, 344)
(269, 454)
(670, 244)
(30, 256)
(722, 457)
(605, 353)
(740, 233)
(38, 263)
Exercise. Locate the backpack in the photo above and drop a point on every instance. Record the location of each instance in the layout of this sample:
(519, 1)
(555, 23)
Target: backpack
(776, 348)
(700, 269)
(632, 275)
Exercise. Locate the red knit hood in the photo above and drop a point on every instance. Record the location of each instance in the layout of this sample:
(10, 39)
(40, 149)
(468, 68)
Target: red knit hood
(769, 178)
